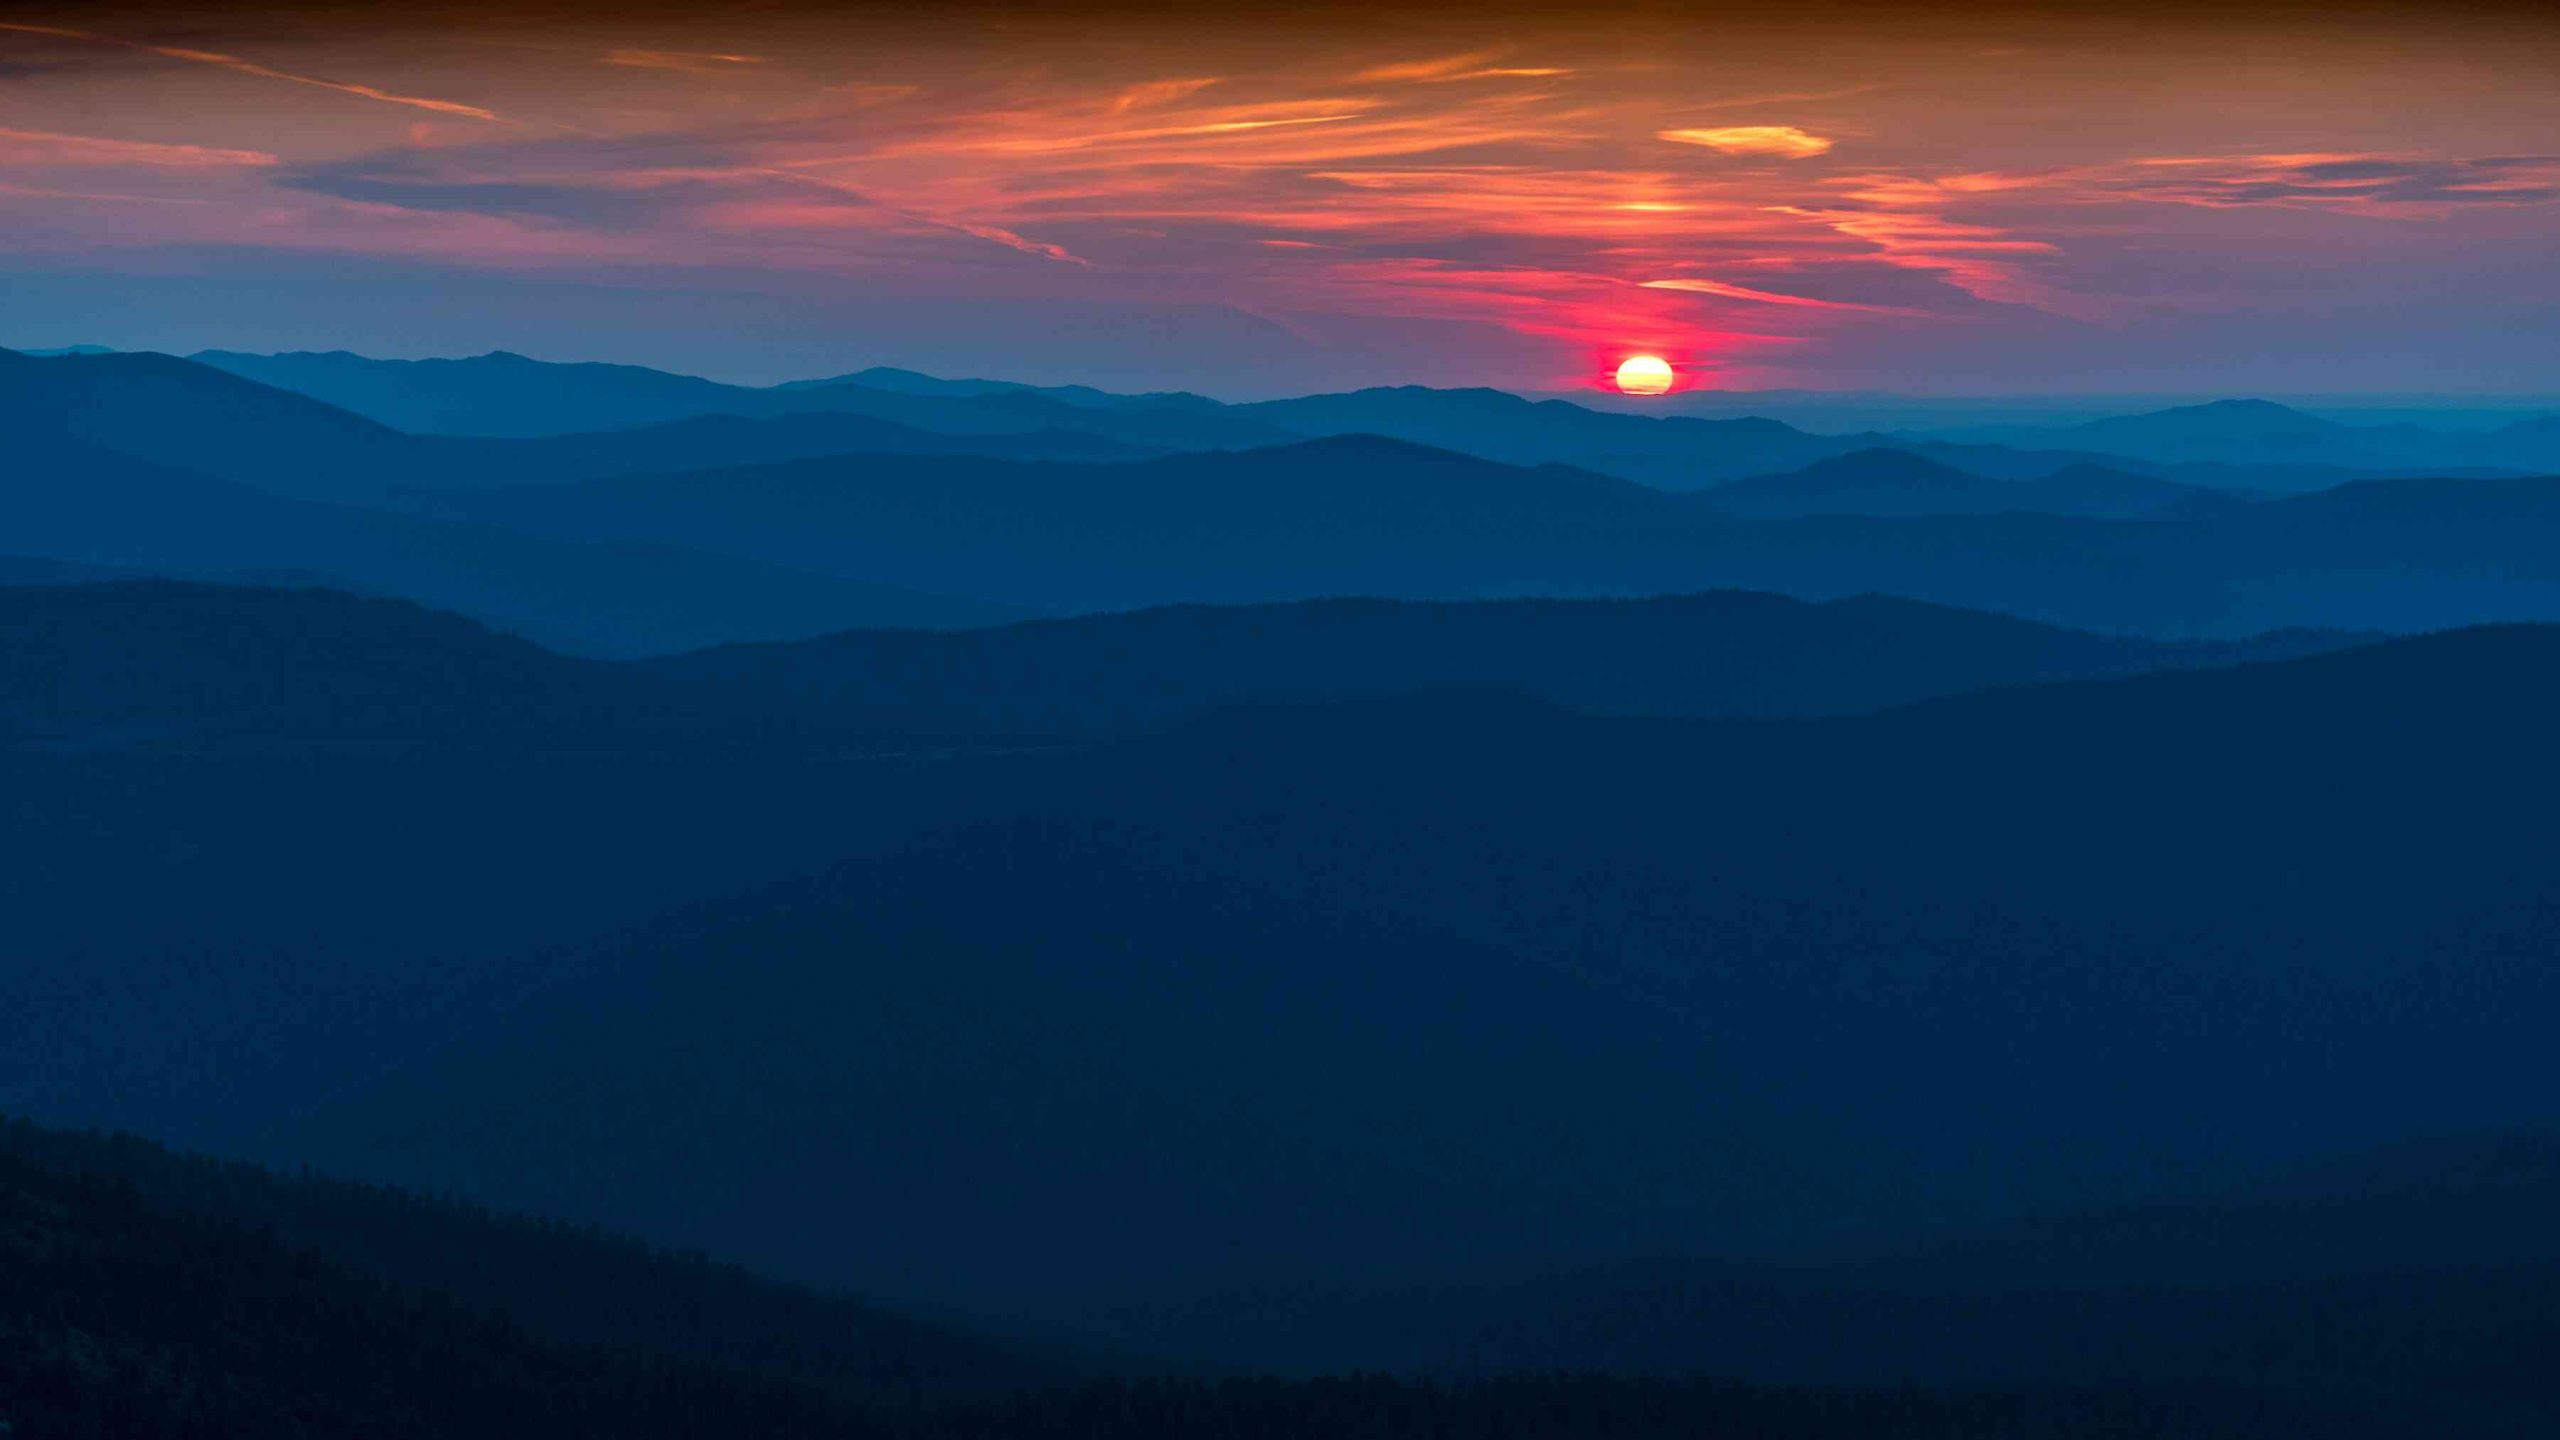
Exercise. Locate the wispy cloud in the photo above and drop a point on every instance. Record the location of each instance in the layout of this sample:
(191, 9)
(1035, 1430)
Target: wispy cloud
(1785, 141)
(1770, 297)
(2324, 181)
(251, 67)
(2376, 183)
(39, 149)
(1986, 262)
(1148, 94)
(1783, 97)
(1474, 65)
(47, 192)
(691, 62)
(1563, 187)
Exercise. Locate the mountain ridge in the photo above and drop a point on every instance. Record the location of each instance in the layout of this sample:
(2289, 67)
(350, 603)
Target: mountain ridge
(1732, 904)
(185, 667)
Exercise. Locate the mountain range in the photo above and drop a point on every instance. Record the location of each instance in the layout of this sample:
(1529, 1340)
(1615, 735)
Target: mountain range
(1054, 912)
(1573, 1011)
(2261, 433)
(1359, 515)
(618, 543)
(2239, 1288)
(2247, 445)
(146, 1293)
(1890, 482)
(499, 394)
(189, 667)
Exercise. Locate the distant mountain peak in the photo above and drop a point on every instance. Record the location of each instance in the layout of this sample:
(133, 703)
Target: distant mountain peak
(2241, 405)
(1886, 460)
(2221, 420)
(1882, 467)
(1484, 396)
(1361, 444)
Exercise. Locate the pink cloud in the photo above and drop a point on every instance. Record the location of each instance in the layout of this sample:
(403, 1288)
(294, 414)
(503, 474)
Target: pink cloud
(37, 149)
(1769, 297)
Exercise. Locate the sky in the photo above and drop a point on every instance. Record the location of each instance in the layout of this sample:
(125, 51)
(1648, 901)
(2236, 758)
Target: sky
(1248, 200)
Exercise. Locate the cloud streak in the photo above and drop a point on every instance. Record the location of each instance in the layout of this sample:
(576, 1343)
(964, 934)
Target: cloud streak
(1557, 186)
(1784, 141)
(2349, 181)
(688, 61)
(251, 67)
(1770, 297)
(42, 149)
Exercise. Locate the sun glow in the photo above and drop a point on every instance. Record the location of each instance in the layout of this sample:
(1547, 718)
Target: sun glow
(1644, 375)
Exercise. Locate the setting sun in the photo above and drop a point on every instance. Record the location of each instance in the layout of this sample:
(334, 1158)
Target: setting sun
(1644, 375)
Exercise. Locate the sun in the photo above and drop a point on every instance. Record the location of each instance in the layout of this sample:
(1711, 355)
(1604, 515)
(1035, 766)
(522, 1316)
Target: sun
(1644, 375)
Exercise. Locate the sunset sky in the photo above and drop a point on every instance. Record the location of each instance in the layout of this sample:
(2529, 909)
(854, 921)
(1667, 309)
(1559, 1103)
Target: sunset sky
(1246, 201)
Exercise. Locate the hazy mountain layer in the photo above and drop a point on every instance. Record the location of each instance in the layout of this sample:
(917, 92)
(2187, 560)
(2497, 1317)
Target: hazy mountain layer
(72, 501)
(499, 394)
(1343, 516)
(502, 394)
(1375, 517)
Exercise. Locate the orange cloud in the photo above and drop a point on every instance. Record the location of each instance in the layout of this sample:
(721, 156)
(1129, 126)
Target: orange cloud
(1785, 141)
(689, 61)
(1151, 93)
(1550, 209)
(1438, 69)
(1475, 66)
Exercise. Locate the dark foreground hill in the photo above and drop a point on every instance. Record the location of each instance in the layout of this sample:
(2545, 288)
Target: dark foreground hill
(166, 667)
(2108, 936)
(571, 1284)
(1583, 988)
(124, 1320)
(118, 1321)
(148, 1295)
(300, 780)
(2442, 1252)
(1417, 994)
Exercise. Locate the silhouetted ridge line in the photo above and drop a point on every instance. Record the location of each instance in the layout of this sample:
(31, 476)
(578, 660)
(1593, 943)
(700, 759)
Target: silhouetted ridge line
(130, 1315)
(178, 667)
(567, 1283)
